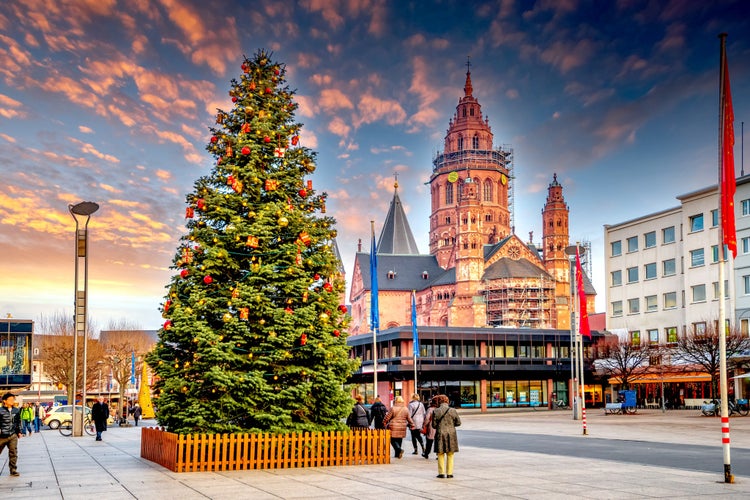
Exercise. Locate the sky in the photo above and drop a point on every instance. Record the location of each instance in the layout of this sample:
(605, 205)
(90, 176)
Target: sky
(110, 101)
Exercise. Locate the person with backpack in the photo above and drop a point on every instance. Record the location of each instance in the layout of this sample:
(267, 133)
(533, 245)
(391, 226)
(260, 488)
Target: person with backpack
(377, 414)
(358, 418)
(417, 411)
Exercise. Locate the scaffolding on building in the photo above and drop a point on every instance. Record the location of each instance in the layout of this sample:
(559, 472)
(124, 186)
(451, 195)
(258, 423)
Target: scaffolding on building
(511, 182)
(520, 302)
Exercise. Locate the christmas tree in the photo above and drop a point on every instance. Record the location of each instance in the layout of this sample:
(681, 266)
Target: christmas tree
(254, 338)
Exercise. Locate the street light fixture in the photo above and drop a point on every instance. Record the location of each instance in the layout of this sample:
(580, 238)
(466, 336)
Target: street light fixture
(81, 213)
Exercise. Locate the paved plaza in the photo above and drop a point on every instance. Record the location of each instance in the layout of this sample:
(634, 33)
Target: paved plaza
(53, 466)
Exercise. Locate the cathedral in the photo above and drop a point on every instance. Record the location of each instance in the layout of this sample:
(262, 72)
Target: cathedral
(479, 278)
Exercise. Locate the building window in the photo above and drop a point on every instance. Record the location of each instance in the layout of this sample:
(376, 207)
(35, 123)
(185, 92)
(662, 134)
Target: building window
(649, 239)
(487, 191)
(746, 284)
(617, 308)
(653, 336)
(745, 327)
(616, 248)
(670, 300)
(488, 217)
(651, 303)
(634, 306)
(669, 267)
(448, 219)
(699, 293)
(635, 337)
(745, 207)
(667, 235)
(715, 284)
(715, 253)
(696, 223)
(632, 274)
(475, 139)
(449, 194)
(633, 244)
(745, 245)
(714, 217)
(671, 333)
(461, 139)
(617, 278)
(696, 257)
(650, 271)
(699, 328)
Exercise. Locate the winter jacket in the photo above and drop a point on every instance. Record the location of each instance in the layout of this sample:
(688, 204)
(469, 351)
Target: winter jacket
(427, 429)
(377, 414)
(397, 420)
(358, 417)
(417, 413)
(27, 414)
(445, 420)
(10, 421)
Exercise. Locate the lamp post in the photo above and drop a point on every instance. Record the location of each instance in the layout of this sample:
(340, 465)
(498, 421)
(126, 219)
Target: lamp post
(571, 251)
(8, 362)
(81, 213)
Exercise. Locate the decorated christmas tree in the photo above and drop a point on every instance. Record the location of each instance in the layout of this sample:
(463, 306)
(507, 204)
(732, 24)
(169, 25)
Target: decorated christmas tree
(254, 337)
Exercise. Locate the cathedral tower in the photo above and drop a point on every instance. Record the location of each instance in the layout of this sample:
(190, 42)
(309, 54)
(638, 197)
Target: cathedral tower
(468, 155)
(555, 239)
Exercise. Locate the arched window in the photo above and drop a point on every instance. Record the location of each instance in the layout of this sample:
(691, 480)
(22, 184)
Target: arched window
(449, 194)
(487, 192)
(471, 111)
(475, 142)
(464, 112)
(460, 143)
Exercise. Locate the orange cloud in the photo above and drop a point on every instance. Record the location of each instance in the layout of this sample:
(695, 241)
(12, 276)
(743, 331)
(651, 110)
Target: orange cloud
(372, 109)
(333, 99)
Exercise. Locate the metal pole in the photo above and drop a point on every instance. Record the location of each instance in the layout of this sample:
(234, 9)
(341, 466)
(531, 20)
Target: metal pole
(374, 334)
(75, 327)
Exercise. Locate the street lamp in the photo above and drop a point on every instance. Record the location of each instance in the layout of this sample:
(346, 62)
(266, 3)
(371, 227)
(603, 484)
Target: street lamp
(571, 251)
(81, 213)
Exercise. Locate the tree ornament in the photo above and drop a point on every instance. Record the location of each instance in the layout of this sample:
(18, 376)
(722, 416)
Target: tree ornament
(230, 179)
(336, 333)
(167, 305)
(302, 192)
(226, 318)
(295, 140)
(303, 339)
(245, 150)
(305, 238)
(214, 139)
(309, 184)
(342, 309)
(279, 152)
(252, 242)
(237, 186)
(187, 255)
(276, 71)
(189, 212)
(168, 324)
(271, 184)
(230, 152)
(288, 310)
(251, 86)
(268, 90)
(283, 221)
(207, 279)
(244, 313)
(327, 287)
(324, 317)
(245, 129)
(235, 293)
(305, 295)
(220, 117)
(184, 273)
(234, 99)
(266, 139)
(316, 276)
(200, 203)
(244, 67)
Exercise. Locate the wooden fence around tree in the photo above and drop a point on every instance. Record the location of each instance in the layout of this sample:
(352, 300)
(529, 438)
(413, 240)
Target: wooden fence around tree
(220, 452)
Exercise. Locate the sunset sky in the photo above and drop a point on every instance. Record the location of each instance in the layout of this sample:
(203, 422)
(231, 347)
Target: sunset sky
(110, 101)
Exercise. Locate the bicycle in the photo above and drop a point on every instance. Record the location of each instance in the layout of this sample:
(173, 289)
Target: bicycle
(560, 405)
(66, 428)
(739, 406)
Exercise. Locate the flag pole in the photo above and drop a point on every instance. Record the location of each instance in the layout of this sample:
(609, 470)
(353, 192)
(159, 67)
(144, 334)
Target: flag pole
(374, 309)
(726, 162)
(415, 337)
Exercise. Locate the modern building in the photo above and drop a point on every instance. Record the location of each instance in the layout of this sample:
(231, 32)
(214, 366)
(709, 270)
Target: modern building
(662, 274)
(493, 311)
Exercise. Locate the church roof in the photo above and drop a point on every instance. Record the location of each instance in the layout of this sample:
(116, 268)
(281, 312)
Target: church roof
(396, 237)
(512, 268)
(408, 272)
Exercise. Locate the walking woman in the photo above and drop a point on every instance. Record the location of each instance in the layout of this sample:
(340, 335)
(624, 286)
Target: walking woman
(445, 420)
(428, 430)
(397, 420)
(417, 411)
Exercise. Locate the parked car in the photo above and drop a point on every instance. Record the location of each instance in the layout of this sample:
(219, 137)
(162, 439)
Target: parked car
(59, 414)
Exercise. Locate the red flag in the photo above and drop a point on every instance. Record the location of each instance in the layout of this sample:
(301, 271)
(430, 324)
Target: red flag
(583, 326)
(728, 186)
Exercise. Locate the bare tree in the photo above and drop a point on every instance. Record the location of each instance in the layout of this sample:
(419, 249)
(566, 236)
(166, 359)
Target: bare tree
(55, 335)
(621, 358)
(701, 349)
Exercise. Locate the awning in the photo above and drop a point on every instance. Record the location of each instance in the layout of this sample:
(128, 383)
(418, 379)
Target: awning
(655, 378)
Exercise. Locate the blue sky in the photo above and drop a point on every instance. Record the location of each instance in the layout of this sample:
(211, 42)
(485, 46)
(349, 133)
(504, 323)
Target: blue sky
(110, 101)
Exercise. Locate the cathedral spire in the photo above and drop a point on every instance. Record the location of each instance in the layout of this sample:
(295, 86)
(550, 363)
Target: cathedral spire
(468, 89)
(396, 236)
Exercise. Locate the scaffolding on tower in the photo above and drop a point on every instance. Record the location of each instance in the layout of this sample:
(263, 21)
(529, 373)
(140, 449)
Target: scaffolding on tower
(520, 302)
(508, 149)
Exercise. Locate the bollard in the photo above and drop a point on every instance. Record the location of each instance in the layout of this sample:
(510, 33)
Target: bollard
(583, 418)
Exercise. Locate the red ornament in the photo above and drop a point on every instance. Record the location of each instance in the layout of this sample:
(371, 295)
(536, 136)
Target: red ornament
(302, 192)
(189, 212)
(168, 324)
(271, 184)
(244, 313)
(343, 309)
(230, 179)
(288, 310)
(276, 71)
(245, 129)
(295, 140)
(245, 150)
(327, 287)
(208, 279)
(303, 339)
(200, 203)
(266, 139)
(167, 305)
(184, 273)
(234, 99)
(244, 67)
(214, 139)
(252, 86)
(309, 185)
(316, 276)
(336, 333)
(268, 90)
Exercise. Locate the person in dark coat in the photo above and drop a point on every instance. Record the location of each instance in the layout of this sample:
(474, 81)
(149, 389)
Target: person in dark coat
(445, 420)
(136, 411)
(10, 430)
(428, 430)
(99, 414)
(377, 414)
(358, 418)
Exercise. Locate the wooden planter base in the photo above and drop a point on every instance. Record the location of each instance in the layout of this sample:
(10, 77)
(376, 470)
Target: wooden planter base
(220, 452)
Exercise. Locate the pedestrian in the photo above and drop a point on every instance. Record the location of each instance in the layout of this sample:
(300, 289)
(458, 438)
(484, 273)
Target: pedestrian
(10, 430)
(417, 411)
(377, 414)
(428, 430)
(39, 414)
(99, 413)
(445, 420)
(136, 413)
(358, 418)
(397, 420)
(27, 418)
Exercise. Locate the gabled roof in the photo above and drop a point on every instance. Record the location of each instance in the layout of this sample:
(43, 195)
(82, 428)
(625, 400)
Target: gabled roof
(511, 268)
(396, 237)
(407, 271)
